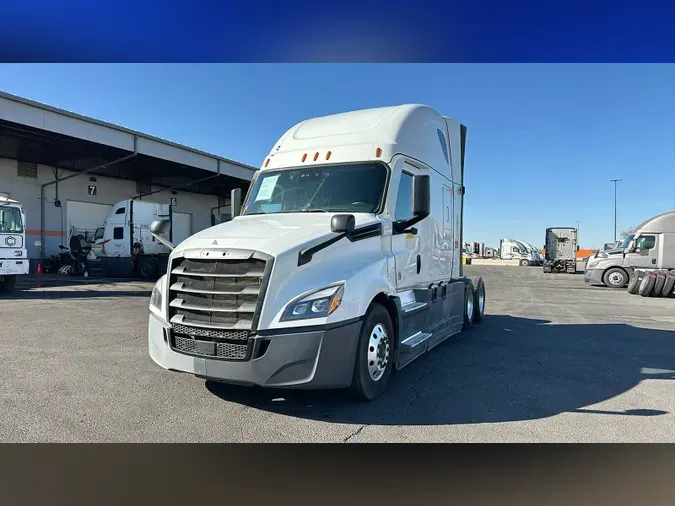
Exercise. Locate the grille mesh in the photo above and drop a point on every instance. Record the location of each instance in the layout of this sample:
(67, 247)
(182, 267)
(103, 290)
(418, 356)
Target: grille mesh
(223, 350)
(212, 333)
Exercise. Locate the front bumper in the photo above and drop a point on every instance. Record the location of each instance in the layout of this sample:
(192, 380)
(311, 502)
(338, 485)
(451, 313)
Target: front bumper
(316, 359)
(593, 276)
(14, 267)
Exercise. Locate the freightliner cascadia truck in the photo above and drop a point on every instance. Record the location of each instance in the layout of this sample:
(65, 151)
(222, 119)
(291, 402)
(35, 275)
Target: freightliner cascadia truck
(343, 264)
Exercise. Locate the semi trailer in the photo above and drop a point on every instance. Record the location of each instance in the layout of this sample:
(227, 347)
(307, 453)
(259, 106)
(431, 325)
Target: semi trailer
(13, 253)
(561, 250)
(344, 264)
(650, 248)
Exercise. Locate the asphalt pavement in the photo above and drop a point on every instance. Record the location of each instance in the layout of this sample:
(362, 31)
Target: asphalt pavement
(554, 361)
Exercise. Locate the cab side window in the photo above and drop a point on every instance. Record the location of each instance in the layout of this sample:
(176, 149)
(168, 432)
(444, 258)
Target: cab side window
(404, 208)
(99, 234)
(646, 242)
(515, 250)
(118, 233)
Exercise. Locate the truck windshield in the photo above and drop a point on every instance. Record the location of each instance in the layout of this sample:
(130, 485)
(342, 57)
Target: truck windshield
(627, 241)
(356, 188)
(10, 220)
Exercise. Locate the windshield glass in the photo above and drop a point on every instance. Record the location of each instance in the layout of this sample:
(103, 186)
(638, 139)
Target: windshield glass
(10, 220)
(627, 241)
(356, 188)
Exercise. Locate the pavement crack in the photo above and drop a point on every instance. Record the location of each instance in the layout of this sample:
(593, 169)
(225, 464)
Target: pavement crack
(355, 433)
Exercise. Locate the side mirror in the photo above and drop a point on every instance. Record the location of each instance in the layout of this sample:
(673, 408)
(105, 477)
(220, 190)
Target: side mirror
(235, 202)
(160, 226)
(421, 197)
(342, 223)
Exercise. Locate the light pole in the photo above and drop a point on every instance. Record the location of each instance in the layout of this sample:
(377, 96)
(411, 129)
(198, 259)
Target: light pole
(578, 227)
(614, 181)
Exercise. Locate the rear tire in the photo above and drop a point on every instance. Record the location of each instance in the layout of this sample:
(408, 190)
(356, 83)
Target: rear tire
(374, 354)
(147, 268)
(7, 284)
(469, 308)
(635, 281)
(647, 284)
(669, 285)
(660, 282)
(615, 278)
(478, 300)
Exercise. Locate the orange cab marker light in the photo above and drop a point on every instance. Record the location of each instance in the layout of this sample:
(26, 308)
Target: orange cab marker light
(378, 152)
(267, 162)
(304, 157)
(327, 155)
(316, 155)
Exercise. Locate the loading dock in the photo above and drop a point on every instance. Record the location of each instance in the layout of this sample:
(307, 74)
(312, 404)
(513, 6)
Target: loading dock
(67, 169)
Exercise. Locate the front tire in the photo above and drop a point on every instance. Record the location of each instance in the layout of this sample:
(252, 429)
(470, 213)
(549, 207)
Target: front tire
(374, 354)
(615, 278)
(524, 263)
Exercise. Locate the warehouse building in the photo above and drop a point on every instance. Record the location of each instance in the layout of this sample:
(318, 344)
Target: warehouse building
(68, 170)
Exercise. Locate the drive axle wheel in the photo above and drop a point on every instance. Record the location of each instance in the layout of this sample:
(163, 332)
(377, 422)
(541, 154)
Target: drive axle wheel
(479, 299)
(374, 354)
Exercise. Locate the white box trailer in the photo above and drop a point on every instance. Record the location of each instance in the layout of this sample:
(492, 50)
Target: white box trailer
(13, 253)
(343, 265)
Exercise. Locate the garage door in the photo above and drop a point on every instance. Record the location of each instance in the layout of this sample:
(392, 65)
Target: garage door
(182, 228)
(85, 215)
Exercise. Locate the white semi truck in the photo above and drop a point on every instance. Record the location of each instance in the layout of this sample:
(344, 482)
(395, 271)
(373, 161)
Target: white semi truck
(647, 253)
(526, 254)
(343, 265)
(124, 245)
(13, 254)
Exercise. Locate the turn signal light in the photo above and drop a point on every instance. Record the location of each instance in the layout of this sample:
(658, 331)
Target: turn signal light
(378, 152)
(316, 156)
(327, 155)
(304, 157)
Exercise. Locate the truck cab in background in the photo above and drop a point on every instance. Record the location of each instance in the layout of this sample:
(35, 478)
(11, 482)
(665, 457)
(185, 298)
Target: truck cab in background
(344, 264)
(13, 254)
(511, 249)
(650, 247)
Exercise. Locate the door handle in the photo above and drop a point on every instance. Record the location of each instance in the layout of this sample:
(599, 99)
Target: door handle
(419, 263)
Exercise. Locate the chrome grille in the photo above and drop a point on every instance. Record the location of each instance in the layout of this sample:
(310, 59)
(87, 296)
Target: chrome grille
(216, 300)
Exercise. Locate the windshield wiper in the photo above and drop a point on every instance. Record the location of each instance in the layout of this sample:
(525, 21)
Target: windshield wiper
(313, 211)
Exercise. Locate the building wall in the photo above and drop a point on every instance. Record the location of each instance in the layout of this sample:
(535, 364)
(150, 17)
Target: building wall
(109, 191)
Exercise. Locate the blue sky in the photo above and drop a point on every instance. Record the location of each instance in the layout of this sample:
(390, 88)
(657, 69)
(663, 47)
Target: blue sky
(543, 140)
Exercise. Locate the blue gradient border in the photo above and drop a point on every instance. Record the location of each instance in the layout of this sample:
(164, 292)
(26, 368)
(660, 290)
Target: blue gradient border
(301, 31)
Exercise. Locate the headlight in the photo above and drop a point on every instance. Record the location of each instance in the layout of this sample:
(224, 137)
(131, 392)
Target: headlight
(315, 305)
(156, 297)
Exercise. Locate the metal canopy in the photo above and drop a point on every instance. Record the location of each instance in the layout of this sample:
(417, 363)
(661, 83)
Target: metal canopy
(38, 133)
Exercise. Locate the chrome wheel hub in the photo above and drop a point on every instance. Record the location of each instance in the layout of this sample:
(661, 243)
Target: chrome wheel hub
(481, 302)
(378, 352)
(469, 307)
(615, 278)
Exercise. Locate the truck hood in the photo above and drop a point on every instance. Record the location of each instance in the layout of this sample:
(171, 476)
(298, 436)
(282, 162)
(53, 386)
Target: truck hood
(268, 233)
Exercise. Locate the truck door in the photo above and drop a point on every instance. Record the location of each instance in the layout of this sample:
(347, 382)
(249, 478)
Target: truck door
(645, 252)
(117, 231)
(407, 248)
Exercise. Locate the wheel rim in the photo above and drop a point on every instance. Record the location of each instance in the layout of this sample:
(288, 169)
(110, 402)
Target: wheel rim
(469, 307)
(378, 352)
(481, 302)
(615, 278)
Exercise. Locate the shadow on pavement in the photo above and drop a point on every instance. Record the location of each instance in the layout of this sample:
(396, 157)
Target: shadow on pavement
(73, 294)
(51, 287)
(506, 369)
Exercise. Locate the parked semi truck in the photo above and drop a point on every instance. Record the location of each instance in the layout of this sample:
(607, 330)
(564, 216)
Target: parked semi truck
(343, 265)
(651, 247)
(561, 250)
(13, 254)
(512, 249)
(124, 246)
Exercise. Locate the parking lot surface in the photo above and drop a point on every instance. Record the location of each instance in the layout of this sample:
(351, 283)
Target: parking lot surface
(554, 361)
